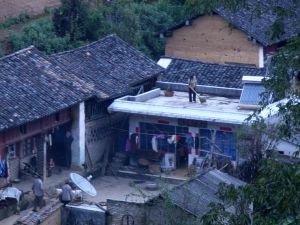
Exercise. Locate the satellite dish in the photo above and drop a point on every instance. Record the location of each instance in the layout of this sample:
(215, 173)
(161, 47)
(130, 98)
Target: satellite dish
(83, 184)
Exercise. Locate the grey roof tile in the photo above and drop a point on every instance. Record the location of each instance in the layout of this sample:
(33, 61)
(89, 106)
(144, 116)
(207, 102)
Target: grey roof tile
(257, 18)
(110, 64)
(195, 195)
(209, 74)
(33, 87)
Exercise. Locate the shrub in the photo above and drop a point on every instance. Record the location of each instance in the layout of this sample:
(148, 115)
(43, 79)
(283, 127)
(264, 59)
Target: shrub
(40, 34)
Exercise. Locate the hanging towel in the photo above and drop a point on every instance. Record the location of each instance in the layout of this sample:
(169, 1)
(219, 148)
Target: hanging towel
(154, 144)
(172, 139)
(3, 168)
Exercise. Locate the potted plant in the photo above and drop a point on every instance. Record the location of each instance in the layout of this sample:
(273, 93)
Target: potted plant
(169, 92)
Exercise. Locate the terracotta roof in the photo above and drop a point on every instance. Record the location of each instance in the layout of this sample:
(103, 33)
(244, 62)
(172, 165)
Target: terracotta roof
(209, 74)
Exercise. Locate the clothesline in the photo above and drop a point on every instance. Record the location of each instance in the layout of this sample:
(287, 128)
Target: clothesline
(162, 132)
(198, 137)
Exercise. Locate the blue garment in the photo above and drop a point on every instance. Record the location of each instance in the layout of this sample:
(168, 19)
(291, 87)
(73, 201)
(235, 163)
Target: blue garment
(3, 168)
(189, 139)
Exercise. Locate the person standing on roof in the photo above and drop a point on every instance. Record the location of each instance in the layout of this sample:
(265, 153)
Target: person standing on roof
(192, 83)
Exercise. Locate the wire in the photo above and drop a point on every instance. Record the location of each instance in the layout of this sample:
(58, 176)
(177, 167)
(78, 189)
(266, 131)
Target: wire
(206, 138)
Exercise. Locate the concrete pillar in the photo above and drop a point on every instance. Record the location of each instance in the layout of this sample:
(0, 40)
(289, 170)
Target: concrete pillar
(261, 57)
(78, 134)
(44, 158)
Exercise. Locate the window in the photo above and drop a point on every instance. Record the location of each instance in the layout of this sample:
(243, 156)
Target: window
(226, 142)
(95, 109)
(28, 147)
(163, 134)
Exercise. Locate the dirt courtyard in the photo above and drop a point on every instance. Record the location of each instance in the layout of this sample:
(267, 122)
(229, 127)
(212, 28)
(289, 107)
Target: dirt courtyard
(108, 187)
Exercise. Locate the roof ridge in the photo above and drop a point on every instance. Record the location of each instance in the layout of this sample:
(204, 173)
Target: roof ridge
(86, 45)
(18, 52)
(210, 63)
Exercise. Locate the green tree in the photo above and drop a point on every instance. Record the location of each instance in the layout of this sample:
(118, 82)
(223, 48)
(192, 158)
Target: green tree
(274, 196)
(71, 18)
(40, 34)
(284, 82)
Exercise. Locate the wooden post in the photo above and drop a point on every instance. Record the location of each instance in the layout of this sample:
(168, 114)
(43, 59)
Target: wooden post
(44, 158)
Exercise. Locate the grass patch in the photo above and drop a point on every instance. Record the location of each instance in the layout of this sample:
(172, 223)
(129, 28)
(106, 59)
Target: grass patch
(22, 18)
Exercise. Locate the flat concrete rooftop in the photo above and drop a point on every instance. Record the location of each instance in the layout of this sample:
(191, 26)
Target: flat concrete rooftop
(181, 99)
(154, 102)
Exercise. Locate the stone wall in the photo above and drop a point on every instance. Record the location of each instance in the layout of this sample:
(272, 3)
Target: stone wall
(13, 8)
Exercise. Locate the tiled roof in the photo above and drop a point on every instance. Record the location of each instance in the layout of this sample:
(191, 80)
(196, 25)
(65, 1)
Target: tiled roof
(257, 18)
(209, 74)
(195, 195)
(33, 87)
(110, 63)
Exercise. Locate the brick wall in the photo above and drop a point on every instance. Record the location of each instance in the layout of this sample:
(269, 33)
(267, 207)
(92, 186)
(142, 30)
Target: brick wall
(13, 168)
(100, 140)
(118, 209)
(154, 212)
(211, 39)
(13, 8)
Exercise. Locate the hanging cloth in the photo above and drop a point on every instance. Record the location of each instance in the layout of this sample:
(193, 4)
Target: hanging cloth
(172, 139)
(3, 168)
(128, 145)
(154, 144)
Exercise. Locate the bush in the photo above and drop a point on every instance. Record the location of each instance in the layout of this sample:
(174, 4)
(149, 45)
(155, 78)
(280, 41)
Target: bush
(23, 17)
(40, 34)
(75, 23)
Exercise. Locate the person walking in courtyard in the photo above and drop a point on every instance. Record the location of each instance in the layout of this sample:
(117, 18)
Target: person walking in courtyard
(192, 83)
(66, 195)
(38, 191)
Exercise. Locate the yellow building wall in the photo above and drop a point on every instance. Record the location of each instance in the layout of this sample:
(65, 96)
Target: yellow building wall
(211, 39)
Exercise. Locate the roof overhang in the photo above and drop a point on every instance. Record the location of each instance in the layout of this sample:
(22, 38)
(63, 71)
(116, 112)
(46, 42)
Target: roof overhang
(128, 105)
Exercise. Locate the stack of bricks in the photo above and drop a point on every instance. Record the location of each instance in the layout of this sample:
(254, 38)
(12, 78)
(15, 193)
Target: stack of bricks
(34, 218)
